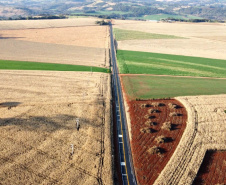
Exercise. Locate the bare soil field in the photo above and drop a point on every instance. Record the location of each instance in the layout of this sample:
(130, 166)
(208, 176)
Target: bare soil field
(205, 131)
(201, 39)
(213, 169)
(38, 112)
(69, 42)
(156, 129)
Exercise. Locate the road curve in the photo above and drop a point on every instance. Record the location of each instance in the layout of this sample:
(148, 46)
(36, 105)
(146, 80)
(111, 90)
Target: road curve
(125, 155)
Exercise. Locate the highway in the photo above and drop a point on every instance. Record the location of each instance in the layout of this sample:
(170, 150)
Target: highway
(125, 158)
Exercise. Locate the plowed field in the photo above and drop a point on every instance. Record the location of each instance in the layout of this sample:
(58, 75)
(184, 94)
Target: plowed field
(213, 169)
(146, 127)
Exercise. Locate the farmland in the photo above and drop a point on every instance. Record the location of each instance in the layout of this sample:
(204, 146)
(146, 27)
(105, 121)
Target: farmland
(191, 72)
(202, 40)
(121, 34)
(134, 62)
(38, 113)
(148, 119)
(200, 136)
(75, 41)
(146, 87)
(20, 65)
(42, 97)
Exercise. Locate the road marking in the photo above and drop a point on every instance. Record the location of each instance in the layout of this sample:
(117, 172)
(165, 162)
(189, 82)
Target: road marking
(123, 163)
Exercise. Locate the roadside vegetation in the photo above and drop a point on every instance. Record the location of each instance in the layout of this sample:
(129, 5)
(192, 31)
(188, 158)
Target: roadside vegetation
(134, 62)
(121, 34)
(147, 87)
(21, 65)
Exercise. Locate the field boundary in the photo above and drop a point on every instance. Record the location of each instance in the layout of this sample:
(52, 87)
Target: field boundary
(172, 76)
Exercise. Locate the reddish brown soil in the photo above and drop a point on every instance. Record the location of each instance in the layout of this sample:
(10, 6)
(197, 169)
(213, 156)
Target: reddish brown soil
(148, 166)
(213, 169)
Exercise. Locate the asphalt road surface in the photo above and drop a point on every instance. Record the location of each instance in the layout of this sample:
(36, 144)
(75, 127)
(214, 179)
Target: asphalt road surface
(125, 156)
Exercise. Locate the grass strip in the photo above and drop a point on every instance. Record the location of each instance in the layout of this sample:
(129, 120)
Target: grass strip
(22, 65)
(147, 87)
(121, 34)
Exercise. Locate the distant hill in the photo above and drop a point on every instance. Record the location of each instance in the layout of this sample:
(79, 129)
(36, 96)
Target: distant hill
(123, 9)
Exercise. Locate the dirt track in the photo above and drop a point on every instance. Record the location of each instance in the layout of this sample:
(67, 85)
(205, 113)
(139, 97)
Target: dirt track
(38, 113)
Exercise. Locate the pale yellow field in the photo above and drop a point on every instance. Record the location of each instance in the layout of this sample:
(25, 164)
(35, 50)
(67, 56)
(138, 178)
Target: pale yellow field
(56, 41)
(38, 112)
(206, 130)
(202, 39)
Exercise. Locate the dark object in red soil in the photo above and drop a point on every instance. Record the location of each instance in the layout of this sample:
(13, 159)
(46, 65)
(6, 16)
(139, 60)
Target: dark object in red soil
(213, 169)
(148, 165)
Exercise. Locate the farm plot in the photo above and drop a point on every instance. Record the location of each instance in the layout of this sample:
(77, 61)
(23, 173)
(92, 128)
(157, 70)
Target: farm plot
(135, 62)
(84, 45)
(213, 169)
(38, 113)
(156, 129)
(205, 131)
(121, 34)
(203, 40)
(146, 87)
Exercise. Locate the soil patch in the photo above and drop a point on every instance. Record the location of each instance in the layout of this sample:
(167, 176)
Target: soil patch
(213, 169)
(152, 145)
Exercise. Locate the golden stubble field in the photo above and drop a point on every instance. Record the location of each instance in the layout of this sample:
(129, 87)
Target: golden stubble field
(201, 39)
(38, 112)
(206, 130)
(71, 41)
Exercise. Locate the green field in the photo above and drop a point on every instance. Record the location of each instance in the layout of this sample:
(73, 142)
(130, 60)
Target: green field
(20, 65)
(135, 62)
(121, 34)
(147, 87)
(158, 17)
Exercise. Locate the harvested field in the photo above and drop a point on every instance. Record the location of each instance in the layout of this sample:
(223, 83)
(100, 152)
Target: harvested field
(55, 42)
(203, 39)
(213, 169)
(86, 36)
(38, 112)
(205, 131)
(152, 145)
(57, 23)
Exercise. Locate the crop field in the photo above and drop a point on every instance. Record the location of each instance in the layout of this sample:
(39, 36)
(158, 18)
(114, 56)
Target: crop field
(70, 42)
(153, 126)
(158, 17)
(20, 65)
(213, 169)
(205, 132)
(202, 39)
(38, 111)
(146, 87)
(135, 62)
(121, 34)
